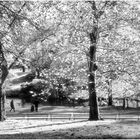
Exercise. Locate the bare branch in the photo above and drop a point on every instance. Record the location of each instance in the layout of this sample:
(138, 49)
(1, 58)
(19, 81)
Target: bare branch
(15, 17)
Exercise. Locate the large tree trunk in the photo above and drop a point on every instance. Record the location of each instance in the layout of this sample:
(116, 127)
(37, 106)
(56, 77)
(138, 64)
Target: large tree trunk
(3, 75)
(2, 106)
(93, 101)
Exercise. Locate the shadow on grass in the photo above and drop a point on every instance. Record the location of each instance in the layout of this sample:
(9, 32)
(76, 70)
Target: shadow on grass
(128, 122)
(56, 135)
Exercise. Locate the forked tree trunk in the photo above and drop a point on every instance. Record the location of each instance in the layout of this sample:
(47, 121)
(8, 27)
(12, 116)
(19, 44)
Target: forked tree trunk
(93, 101)
(3, 75)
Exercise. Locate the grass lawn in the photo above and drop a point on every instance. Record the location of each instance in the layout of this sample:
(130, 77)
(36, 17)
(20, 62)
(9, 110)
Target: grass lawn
(69, 129)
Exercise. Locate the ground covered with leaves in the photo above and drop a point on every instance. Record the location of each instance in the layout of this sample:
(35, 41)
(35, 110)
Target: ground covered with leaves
(72, 129)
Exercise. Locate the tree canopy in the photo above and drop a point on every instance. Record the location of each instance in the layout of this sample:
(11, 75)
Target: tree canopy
(71, 39)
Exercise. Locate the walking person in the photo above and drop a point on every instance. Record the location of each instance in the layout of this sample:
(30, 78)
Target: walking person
(32, 108)
(12, 106)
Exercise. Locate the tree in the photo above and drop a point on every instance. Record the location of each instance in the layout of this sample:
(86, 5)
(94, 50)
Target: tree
(106, 17)
(3, 62)
(77, 34)
(89, 27)
(3, 75)
(19, 28)
(94, 36)
(40, 60)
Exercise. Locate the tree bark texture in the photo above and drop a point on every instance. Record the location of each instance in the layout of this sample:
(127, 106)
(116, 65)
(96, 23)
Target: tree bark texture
(3, 75)
(93, 101)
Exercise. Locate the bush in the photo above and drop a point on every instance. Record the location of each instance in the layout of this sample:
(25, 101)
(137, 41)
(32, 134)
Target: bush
(34, 89)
